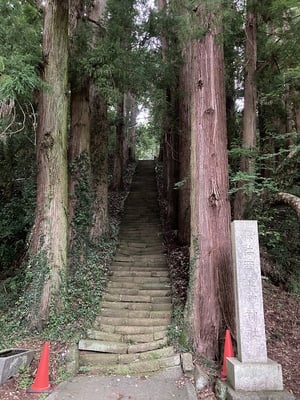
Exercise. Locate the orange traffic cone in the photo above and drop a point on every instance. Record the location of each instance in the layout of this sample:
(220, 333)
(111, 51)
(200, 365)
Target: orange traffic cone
(228, 352)
(41, 383)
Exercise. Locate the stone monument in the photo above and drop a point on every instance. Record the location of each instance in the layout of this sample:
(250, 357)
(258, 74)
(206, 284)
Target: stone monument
(252, 375)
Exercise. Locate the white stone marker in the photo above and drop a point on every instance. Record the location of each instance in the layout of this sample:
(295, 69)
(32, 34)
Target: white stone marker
(251, 370)
(249, 301)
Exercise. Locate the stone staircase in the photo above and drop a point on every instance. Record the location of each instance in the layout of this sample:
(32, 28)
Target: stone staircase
(130, 333)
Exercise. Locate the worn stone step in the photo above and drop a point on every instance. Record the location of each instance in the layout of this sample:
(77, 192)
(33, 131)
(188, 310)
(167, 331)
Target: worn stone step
(137, 291)
(137, 267)
(135, 298)
(102, 346)
(119, 348)
(94, 358)
(131, 273)
(137, 368)
(141, 279)
(136, 306)
(129, 338)
(141, 259)
(139, 285)
(131, 330)
(119, 321)
(126, 298)
(140, 245)
(108, 312)
(125, 252)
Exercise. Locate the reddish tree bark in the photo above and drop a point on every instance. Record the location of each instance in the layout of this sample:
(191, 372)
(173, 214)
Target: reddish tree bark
(210, 291)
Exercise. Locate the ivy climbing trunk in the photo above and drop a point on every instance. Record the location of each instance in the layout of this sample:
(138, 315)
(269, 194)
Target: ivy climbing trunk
(99, 143)
(170, 134)
(119, 147)
(49, 238)
(184, 113)
(210, 291)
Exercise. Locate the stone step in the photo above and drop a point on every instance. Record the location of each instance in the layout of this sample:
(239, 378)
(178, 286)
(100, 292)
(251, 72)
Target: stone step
(136, 306)
(126, 338)
(103, 346)
(136, 299)
(139, 285)
(141, 279)
(108, 312)
(135, 273)
(139, 244)
(137, 368)
(94, 358)
(131, 321)
(137, 292)
(136, 267)
(119, 348)
(149, 252)
(131, 330)
(141, 259)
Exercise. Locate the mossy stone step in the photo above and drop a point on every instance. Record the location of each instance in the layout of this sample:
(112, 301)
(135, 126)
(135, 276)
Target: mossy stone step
(143, 273)
(109, 312)
(136, 306)
(136, 299)
(136, 368)
(103, 346)
(119, 348)
(127, 338)
(92, 358)
(140, 285)
(137, 291)
(148, 259)
(131, 330)
(130, 321)
(142, 279)
(116, 266)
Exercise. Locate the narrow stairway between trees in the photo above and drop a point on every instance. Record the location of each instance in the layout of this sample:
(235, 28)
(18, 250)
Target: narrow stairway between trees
(130, 332)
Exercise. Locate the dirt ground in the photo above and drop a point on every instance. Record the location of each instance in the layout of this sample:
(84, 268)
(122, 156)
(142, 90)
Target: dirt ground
(282, 317)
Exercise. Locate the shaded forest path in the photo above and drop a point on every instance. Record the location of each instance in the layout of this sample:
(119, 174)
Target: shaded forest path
(130, 332)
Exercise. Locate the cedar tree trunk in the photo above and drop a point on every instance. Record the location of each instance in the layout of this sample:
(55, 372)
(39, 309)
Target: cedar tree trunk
(49, 239)
(210, 292)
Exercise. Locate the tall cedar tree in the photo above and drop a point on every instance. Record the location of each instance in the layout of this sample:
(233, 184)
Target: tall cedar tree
(49, 239)
(210, 290)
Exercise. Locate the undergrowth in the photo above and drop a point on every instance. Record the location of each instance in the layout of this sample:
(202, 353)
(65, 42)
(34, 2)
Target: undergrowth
(80, 293)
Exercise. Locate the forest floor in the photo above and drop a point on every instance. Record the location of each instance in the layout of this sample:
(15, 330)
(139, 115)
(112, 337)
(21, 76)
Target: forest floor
(282, 317)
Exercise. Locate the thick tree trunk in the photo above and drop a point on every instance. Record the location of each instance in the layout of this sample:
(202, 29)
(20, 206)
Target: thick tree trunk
(244, 195)
(99, 146)
(170, 162)
(79, 145)
(49, 240)
(170, 140)
(119, 147)
(210, 290)
(184, 209)
(131, 117)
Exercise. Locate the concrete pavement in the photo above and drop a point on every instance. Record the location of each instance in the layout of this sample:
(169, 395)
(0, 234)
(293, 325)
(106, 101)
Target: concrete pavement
(165, 385)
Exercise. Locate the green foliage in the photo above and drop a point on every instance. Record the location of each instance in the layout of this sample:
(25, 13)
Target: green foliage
(19, 57)
(147, 142)
(17, 200)
(24, 378)
(277, 225)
